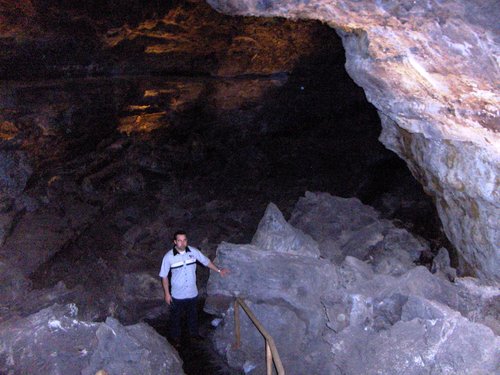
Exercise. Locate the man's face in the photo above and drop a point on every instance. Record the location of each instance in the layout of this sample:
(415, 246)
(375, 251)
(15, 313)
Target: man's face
(181, 242)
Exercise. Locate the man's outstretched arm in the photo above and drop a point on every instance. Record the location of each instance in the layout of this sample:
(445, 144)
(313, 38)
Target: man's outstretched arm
(223, 271)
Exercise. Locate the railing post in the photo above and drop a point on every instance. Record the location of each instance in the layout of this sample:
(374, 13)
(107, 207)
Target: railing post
(237, 323)
(272, 355)
(269, 359)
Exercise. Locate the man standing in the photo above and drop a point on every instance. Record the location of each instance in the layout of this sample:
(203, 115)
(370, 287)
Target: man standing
(181, 260)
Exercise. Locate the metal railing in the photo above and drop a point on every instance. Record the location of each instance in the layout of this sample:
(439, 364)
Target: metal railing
(272, 354)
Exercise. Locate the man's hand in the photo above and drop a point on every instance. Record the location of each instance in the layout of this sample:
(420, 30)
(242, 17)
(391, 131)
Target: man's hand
(168, 299)
(224, 272)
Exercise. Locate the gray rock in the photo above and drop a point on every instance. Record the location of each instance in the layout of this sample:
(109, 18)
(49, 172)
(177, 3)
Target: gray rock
(482, 302)
(6, 220)
(282, 323)
(377, 315)
(38, 235)
(441, 264)
(26, 301)
(355, 270)
(275, 234)
(360, 243)
(324, 216)
(14, 173)
(13, 285)
(51, 341)
(141, 286)
(135, 349)
(132, 236)
(400, 240)
(442, 346)
(296, 281)
(142, 297)
(54, 341)
(421, 308)
(345, 227)
(417, 282)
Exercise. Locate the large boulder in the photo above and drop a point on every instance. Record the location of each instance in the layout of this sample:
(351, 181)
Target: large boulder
(275, 234)
(55, 341)
(431, 339)
(396, 318)
(298, 282)
(340, 233)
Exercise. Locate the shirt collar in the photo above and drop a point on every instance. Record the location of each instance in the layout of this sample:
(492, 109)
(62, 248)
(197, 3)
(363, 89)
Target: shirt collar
(188, 250)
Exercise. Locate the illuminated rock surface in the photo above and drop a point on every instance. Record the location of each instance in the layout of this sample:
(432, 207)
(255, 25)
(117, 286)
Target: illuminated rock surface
(431, 69)
(55, 341)
(353, 317)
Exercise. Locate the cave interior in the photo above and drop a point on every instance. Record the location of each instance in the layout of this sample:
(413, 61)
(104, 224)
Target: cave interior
(123, 121)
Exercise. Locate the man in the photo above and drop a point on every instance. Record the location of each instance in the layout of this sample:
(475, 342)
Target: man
(181, 260)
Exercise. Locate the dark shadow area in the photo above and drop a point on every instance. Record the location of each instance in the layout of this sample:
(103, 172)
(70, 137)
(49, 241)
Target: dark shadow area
(199, 356)
(155, 154)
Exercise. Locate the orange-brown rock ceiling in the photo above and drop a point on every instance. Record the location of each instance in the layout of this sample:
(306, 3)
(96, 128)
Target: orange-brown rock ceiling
(43, 38)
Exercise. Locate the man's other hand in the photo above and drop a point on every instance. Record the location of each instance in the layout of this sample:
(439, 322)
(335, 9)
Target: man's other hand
(168, 299)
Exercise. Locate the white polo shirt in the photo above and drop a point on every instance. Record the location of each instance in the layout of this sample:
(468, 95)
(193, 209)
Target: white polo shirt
(183, 267)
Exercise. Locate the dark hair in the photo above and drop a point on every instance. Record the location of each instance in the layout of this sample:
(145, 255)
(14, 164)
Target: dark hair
(178, 233)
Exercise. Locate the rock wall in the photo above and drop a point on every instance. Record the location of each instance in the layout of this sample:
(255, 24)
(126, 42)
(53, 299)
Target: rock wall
(431, 69)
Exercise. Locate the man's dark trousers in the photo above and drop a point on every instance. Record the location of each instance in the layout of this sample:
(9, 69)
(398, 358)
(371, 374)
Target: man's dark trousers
(178, 308)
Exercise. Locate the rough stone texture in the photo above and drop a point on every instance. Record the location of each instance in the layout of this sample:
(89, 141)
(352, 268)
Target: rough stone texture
(55, 341)
(142, 295)
(136, 349)
(289, 330)
(330, 222)
(282, 277)
(37, 236)
(355, 317)
(447, 345)
(441, 263)
(431, 70)
(143, 37)
(14, 173)
(12, 283)
(275, 234)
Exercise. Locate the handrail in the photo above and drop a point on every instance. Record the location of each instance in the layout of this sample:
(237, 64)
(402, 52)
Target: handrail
(272, 354)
